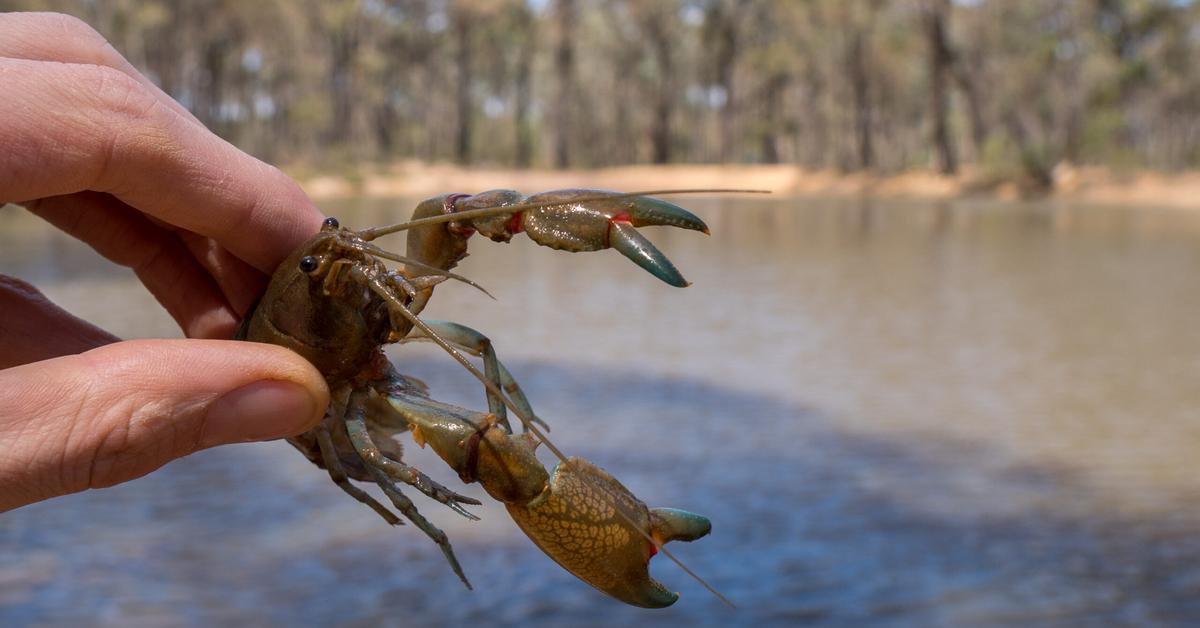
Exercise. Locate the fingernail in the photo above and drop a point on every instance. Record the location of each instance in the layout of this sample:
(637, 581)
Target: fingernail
(259, 411)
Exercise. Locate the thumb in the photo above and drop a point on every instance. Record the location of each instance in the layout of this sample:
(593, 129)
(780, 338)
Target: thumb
(120, 411)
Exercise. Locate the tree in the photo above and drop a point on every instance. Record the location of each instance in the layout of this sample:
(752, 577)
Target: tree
(853, 84)
(936, 14)
(564, 71)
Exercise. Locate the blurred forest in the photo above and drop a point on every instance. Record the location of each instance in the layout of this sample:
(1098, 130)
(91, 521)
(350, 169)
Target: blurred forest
(1016, 85)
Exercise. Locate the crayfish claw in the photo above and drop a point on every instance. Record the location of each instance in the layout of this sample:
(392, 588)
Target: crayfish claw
(453, 505)
(463, 499)
(647, 211)
(625, 238)
(579, 515)
(673, 524)
(642, 211)
(594, 527)
(454, 502)
(590, 220)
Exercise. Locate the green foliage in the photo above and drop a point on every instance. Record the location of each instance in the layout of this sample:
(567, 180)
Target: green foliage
(820, 83)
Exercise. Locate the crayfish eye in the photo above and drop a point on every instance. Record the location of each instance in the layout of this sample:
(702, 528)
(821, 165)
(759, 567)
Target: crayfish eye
(308, 264)
(330, 223)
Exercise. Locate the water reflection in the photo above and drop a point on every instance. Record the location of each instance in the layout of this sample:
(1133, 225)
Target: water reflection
(896, 413)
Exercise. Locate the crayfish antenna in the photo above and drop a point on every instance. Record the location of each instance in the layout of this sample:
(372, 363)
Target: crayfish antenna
(531, 427)
(375, 232)
(408, 261)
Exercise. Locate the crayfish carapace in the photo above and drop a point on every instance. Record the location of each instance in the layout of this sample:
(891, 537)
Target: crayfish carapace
(336, 303)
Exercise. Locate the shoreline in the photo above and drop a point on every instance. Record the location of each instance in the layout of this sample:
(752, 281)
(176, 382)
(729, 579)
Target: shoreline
(1084, 184)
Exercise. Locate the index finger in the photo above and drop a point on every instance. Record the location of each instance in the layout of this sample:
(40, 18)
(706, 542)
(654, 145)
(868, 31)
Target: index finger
(74, 127)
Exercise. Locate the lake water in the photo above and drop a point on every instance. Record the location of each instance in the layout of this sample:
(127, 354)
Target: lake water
(898, 414)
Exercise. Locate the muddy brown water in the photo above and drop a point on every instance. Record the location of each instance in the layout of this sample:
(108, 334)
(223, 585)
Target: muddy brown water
(963, 414)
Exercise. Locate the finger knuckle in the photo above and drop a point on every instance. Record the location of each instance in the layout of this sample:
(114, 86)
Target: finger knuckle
(73, 26)
(118, 94)
(66, 38)
(127, 121)
(110, 454)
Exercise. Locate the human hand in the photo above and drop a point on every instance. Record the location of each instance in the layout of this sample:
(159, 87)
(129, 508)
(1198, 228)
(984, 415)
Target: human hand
(97, 150)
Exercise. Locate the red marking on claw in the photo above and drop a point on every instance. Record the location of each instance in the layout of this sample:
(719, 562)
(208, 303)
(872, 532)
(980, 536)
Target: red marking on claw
(449, 208)
(653, 550)
(514, 223)
(621, 217)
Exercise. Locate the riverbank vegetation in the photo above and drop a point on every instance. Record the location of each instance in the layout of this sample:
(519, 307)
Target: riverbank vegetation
(985, 92)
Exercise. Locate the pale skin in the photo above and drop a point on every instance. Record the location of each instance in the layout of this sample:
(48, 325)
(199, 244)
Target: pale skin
(95, 149)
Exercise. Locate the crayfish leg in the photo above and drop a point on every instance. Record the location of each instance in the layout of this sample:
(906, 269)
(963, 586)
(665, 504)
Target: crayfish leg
(384, 470)
(479, 345)
(373, 457)
(338, 474)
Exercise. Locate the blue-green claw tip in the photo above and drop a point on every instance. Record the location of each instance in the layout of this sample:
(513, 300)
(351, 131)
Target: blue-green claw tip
(650, 211)
(626, 239)
(673, 524)
(657, 597)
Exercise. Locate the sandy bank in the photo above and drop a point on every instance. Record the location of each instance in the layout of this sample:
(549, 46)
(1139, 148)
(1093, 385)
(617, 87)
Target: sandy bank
(1071, 184)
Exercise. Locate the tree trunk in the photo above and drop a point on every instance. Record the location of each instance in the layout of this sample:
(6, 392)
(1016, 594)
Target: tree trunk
(208, 101)
(772, 99)
(939, 66)
(344, 38)
(970, 91)
(523, 85)
(564, 67)
(341, 89)
(860, 85)
(1033, 159)
(664, 103)
(723, 37)
(465, 110)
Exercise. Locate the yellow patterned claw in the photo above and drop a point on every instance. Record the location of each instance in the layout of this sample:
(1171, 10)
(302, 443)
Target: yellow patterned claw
(573, 514)
(576, 522)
